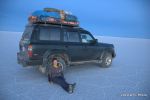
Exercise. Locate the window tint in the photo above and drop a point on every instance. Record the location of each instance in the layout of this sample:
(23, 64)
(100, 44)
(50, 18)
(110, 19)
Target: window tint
(86, 38)
(49, 34)
(65, 36)
(55, 34)
(44, 34)
(71, 37)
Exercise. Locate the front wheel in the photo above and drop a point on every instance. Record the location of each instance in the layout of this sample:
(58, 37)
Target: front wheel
(106, 60)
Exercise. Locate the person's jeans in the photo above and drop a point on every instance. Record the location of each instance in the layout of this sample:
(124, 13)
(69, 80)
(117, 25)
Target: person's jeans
(60, 80)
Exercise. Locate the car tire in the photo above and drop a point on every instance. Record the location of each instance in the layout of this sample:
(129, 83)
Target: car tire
(106, 60)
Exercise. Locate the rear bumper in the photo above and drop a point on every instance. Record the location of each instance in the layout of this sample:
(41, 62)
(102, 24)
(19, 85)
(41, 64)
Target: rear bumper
(25, 61)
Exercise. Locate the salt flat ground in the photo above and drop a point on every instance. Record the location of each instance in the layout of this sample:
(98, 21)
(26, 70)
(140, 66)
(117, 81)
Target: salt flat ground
(129, 74)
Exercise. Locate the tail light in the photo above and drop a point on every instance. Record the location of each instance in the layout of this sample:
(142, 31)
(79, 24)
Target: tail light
(30, 50)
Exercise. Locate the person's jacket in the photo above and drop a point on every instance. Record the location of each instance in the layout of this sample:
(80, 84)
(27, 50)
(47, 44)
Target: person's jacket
(56, 72)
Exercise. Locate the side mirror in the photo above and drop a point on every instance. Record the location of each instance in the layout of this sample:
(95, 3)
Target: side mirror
(94, 41)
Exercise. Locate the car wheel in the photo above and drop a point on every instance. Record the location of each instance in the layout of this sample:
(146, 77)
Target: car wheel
(106, 60)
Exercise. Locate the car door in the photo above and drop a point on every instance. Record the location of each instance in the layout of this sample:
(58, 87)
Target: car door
(72, 44)
(90, 50)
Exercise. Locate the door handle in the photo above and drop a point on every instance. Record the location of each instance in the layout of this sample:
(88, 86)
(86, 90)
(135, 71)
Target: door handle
(66, 46)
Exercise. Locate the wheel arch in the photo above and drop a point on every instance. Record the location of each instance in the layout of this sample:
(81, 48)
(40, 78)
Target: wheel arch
(57, 52)
(107, 50)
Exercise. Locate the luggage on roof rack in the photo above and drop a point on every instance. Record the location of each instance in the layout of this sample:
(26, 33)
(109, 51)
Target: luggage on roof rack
(40, 13)
(51, 10)
(55, 16)
(70, 18)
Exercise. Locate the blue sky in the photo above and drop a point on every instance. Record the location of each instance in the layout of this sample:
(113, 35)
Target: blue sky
(129, 18)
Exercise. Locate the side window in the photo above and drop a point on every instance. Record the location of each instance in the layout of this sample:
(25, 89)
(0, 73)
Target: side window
(55, 34)
(49, 34)
(44, 34)
(86, 38)
(71, 36)
(65, 36)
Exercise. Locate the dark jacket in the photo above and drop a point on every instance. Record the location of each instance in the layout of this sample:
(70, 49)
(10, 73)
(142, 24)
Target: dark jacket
(56, 72)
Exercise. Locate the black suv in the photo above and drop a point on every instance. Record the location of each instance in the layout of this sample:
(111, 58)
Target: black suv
(42, 42)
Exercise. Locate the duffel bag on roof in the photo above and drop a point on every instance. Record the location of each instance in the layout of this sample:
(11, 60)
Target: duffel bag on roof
(40, 13)
(52, 15)
(51, 10)
(71, 18)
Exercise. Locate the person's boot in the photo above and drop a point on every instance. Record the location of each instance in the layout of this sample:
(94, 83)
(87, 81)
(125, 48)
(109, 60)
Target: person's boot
(49, 79)
(73, 85)
(71, 88)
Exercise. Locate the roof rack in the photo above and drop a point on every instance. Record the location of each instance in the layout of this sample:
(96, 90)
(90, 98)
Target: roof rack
(49, 23)
(77, 27)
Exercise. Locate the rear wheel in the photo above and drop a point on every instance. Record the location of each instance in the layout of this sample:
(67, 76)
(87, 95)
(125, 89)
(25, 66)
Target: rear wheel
(106, 60)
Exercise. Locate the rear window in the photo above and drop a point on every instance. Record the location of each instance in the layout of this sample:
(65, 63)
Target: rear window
(49, 34)
(27, 33)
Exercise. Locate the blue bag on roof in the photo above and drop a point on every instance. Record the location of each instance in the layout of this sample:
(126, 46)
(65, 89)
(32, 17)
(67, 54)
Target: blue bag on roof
(38, 13)
(69, 17)
(55, 16)
(42, 13)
